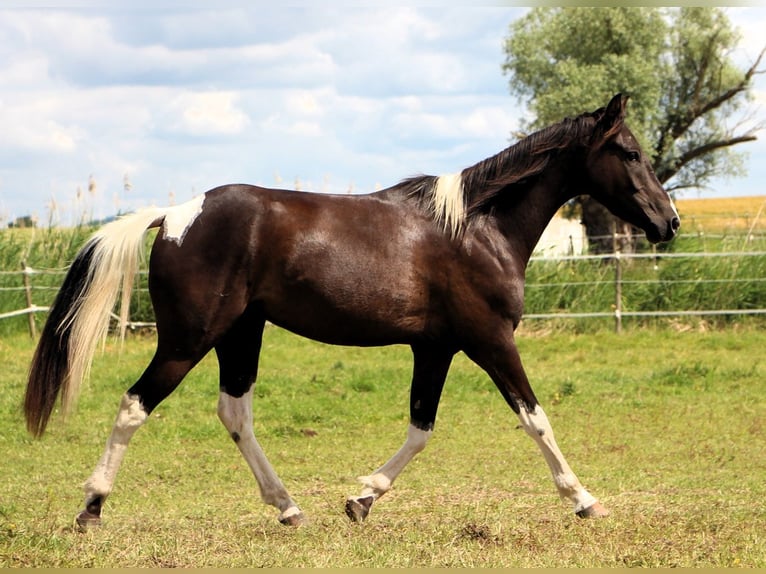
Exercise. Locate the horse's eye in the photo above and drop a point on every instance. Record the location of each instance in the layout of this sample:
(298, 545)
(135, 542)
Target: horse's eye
(633, 156)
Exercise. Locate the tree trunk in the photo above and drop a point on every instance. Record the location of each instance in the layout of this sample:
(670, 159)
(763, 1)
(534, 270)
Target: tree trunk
(601, 226)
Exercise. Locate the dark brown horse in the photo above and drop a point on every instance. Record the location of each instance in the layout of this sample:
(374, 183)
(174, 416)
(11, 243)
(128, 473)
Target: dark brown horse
(436, 263)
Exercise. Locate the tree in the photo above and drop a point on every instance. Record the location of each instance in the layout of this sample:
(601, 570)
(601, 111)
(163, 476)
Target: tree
(675, 63)
(25, 221)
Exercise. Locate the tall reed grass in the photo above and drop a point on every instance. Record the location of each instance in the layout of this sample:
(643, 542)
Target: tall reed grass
(46, 253)
(659, 283)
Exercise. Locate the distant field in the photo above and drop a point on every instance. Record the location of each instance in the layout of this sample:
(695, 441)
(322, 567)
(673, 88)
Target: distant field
(723, 214)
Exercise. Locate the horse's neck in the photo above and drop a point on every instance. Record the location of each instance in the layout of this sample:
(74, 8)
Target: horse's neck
(525, 220)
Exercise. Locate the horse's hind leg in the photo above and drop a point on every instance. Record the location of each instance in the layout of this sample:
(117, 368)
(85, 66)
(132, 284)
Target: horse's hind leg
(159, 379)
(238, 354)
(429, 372)
(130, 416)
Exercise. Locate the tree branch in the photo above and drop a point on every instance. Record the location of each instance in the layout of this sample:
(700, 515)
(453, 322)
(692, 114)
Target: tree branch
(712, 146)
(707, 56)
(667, 172)
(695, 112)
(728, 94)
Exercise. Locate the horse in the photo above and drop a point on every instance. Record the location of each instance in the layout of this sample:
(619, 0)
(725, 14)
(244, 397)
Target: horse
(433, 262)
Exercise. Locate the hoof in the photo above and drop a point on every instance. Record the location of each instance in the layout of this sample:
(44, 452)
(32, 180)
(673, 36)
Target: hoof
(595, 510)
(357, 509)
(87, 521)
(297, 519)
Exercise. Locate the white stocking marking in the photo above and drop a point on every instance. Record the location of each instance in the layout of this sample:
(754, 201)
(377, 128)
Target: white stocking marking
(237, 416)
(537, 426)
(380, 481)
(130, 416)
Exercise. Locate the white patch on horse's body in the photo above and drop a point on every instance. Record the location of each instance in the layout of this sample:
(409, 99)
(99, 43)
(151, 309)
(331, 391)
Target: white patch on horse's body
(129, 418)
(448, 202)
(179, 219)
(236, 414)
(380, 481)
(537, 426)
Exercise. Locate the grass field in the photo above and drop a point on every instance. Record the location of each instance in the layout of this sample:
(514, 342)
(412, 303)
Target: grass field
(667, 429)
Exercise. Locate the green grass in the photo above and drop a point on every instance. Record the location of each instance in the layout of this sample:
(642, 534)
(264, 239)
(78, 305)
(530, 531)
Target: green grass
(667, 428)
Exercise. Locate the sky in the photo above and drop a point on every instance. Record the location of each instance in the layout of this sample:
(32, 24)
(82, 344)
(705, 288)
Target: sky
(109, 107)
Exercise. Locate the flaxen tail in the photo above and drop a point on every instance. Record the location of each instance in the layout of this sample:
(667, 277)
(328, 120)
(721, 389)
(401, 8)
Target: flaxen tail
(79, 317)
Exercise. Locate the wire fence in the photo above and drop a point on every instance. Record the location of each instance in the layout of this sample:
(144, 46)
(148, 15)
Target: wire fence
(715, 275)
(619, 283)
(721, 277)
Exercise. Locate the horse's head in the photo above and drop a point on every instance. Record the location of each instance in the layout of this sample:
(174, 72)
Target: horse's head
(622, 179)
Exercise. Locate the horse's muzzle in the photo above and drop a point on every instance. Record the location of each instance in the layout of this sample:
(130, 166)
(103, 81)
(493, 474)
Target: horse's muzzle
(673, 226)
(664, 231)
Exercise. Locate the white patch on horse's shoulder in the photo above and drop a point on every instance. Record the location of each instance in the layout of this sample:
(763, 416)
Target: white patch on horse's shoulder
(448, 202)
(179, 219)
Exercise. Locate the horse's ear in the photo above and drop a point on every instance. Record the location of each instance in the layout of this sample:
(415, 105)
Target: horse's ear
(612, 119)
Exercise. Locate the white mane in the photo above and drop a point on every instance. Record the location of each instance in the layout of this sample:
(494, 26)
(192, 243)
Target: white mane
(448, 202)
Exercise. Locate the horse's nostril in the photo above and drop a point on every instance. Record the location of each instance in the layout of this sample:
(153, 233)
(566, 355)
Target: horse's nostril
(675, 223)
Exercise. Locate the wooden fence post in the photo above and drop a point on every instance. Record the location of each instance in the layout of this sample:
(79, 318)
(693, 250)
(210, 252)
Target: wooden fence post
(617, 292)
(617, 282)
(25, 271)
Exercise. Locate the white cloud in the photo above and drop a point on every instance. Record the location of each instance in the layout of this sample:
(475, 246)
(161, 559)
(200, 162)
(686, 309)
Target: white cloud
(32, 125)
(493, 120)
(305, 129)
(208, 113)
(303, 103)
(24, 70)
(183, 98)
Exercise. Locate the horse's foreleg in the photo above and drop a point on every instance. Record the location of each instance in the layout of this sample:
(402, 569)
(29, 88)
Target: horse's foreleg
(236, 413)
(238, 352)
(429, 372)
(505, 368)
(131, 415)
(536, 424)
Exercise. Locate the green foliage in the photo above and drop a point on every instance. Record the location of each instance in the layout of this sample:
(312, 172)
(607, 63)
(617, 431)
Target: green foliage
(675, 63)
(565, 61)
(702, 41)
(665, 427)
